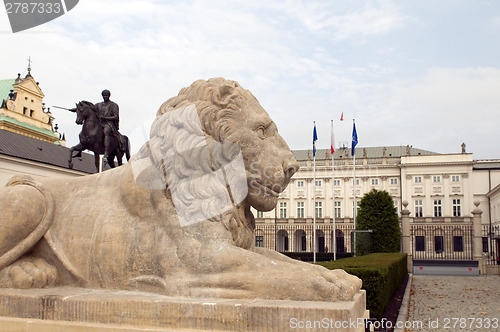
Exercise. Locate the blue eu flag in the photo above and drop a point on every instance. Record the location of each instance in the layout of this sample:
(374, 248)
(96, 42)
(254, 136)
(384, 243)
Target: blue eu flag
(315, 138)
(354, 138)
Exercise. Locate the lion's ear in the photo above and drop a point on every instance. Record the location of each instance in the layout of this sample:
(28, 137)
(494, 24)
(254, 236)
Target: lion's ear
(225, 92)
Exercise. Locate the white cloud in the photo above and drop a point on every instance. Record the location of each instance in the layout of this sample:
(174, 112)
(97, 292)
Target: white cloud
(344, 22)
(297, 58)
(437, 112)
(447, 107)
(144, 62)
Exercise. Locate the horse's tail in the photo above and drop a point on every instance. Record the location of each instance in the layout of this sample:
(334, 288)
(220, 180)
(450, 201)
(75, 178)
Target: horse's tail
(127, 147)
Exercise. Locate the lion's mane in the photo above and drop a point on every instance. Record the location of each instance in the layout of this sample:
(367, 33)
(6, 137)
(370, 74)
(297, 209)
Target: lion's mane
(216, 101)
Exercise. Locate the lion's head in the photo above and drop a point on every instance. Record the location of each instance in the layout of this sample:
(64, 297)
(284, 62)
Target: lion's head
(206, 145)
(229, 113)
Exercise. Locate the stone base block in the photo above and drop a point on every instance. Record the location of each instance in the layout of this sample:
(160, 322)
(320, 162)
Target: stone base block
(491, 270)
(83, 310)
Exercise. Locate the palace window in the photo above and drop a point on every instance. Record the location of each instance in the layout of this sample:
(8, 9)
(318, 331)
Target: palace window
(485, 244)
(357, 204)
(419, 243)
(318, 183)
(355, 183)
(338, 209)
(438, 212)
(436, 178)
(418, 179)
(300, 183)
(259, 241)
(458, 243)
(455, 178)
(260, 214)
(282, 210)
(394, 181)
(419, 208)
(439, 244)
(374, 182)
(336, 182)
(319, 210)
(300, 209)
(457, 210)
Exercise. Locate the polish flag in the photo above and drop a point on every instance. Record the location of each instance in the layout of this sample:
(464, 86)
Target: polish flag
(332, 146)
(342, 116)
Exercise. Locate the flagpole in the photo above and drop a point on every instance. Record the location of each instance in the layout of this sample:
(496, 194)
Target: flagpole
(333, 194)
(354, 189)
(314, 195)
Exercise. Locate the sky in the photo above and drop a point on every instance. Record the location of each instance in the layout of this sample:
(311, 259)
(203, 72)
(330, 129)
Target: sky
(421, 73)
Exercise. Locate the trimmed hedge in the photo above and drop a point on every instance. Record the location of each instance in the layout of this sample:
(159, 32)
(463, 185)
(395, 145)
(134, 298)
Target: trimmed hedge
(381, 273)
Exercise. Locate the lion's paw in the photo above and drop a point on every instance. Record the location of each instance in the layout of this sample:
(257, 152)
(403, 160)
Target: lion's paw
(28, 273)
(308, 282)
(346, 283)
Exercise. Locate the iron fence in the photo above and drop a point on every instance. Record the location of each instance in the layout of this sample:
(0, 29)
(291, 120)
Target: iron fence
(445, 242)
(441, 242)
(491, 244)
(299, 237)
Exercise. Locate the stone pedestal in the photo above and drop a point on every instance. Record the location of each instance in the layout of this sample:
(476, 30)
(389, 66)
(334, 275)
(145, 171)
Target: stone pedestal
(80, 310)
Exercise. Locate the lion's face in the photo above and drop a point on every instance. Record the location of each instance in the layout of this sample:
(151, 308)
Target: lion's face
(229, 113)
(268, 160)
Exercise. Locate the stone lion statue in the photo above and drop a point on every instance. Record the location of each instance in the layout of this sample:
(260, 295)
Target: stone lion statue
(176, 220)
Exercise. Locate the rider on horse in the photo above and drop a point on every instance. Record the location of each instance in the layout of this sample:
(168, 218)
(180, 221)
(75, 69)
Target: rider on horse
(108, 112)
(100, 131)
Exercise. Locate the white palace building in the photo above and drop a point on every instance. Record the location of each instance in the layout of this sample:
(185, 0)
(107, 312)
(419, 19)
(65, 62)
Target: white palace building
(451, 203)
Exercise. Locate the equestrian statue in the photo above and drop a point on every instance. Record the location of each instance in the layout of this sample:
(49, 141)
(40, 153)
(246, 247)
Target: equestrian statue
(100, 132)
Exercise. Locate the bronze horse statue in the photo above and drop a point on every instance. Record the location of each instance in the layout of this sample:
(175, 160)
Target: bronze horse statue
(92, 137)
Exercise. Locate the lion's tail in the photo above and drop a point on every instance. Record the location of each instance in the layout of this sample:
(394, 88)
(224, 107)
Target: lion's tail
(46, 221)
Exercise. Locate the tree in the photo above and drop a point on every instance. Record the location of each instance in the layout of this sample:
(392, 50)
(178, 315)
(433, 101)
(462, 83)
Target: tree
(378, 213)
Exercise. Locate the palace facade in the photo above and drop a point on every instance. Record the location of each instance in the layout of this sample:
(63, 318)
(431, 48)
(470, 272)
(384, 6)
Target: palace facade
(440, 192)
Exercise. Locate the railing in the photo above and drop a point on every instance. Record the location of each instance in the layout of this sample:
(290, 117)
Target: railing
(441, 242)
(491, 244)
(446, 242)
(299, 238)
(320, 256)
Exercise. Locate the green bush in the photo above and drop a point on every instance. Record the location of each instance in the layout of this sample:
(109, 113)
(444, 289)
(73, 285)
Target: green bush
(381, 273)
(377, 212)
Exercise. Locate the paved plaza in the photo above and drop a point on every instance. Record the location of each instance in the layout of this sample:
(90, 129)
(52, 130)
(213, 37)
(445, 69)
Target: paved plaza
(448, 303)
